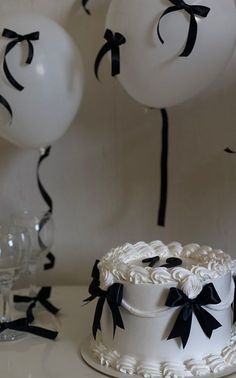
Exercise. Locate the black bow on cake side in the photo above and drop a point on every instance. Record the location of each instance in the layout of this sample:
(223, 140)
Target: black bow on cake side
(114, 41)
(182, 326)
(18, 38)
(193, 11)
(113, 296)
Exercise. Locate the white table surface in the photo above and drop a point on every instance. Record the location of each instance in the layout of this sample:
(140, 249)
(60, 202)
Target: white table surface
(35, 357)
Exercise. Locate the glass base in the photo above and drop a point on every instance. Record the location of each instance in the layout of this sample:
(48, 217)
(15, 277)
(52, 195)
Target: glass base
(11, 335)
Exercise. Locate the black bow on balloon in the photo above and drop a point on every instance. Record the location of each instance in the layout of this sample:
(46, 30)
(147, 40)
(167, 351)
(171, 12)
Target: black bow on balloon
(189, 306)
(114, 41)
(84, 3)
(192, 10)
(18, 38)
(42, 298)
(6, 105)
(113, 295)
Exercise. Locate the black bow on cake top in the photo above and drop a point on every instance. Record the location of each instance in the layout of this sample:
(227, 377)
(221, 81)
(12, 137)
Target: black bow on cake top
(113, 296)
(114, 41)
(171, 262)
(182, 326)
(18, 38)
(193, 11)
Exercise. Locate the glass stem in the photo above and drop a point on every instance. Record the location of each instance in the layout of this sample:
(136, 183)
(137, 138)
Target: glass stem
(6, 313)
(33, 279)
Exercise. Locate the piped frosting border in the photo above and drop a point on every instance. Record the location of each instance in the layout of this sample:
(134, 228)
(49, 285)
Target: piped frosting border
(123, 263)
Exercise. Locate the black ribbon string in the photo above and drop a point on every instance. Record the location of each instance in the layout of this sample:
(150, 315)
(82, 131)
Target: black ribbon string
(164, 169)
(18, 38)
(6, 105)
(114, 41)
(23, 325)
(234, 302)
(45, 153)
(84, 3)
(182, 326)
(42, 297)
(192, 10)
(113, 296)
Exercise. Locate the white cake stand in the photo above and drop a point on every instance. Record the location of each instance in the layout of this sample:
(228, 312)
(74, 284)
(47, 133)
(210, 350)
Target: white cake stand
(91, 360)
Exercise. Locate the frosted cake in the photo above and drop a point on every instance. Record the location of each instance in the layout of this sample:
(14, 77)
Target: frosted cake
(163, 310)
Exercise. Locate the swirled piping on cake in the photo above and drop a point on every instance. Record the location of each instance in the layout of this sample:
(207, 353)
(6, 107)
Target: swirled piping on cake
(125, 263)
(213, 363)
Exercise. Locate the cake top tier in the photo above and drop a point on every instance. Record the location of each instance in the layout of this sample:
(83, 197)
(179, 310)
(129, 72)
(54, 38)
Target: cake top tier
(125, 263)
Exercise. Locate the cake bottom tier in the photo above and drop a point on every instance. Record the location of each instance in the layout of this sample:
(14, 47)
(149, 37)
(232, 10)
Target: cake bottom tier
(128, 364)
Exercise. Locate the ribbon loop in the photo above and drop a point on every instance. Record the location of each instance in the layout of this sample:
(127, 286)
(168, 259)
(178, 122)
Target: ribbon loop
(114, 41)
(182, 325)
(113, 295)
(18, 38)
(192, 10)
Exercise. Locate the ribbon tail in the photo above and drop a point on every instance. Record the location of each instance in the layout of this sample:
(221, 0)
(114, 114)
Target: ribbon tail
(39, 331)
(50, 307)
(182, 325)
(229, 151)
(207, 322)
(21, 299)
(6, 105)
(30, 53)
(115, 61)
(7, 72)
(97, 316)
(45, 195)
(192, 36)
(167, 11)
(99, 57)
(51, 258)
(84, 3)
(116, 316)
(29, 312)
(164, 169)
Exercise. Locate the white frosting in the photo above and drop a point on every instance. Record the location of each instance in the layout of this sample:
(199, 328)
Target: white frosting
(125, 263)
(216, 363)
(191, 286)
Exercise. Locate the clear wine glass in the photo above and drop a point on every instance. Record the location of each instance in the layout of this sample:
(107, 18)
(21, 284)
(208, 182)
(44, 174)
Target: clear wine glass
(40, 226)
(14, 257)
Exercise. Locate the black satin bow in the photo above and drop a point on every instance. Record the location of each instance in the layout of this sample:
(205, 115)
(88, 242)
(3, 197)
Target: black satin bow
(113, 295)
(84, 3)
(114, 41)
(23, 325)
(189, 306)
(42, 297)
(17, 38)
(192, 10)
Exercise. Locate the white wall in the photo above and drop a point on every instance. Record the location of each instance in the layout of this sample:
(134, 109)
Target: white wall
(104, 173)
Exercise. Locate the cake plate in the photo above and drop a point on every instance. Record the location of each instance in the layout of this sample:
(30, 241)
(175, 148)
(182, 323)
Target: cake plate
(92, 361)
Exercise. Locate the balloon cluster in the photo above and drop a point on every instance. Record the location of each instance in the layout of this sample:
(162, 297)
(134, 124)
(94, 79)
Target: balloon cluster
(40, 99)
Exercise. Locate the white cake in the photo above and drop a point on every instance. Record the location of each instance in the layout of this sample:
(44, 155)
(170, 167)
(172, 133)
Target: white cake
(150, 309)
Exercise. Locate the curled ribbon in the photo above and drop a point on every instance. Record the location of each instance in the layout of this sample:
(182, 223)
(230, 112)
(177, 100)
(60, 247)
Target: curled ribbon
(113, 295)
(42, 298)
(17, 38)
(192, 10)
(164, 169)
(84, 3)
(182, 326)
(23, 325)
(45, 153)
(114, 41)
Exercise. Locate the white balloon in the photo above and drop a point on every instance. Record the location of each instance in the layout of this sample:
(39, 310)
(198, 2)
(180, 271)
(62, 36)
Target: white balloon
(155, 74)
(53, 82)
